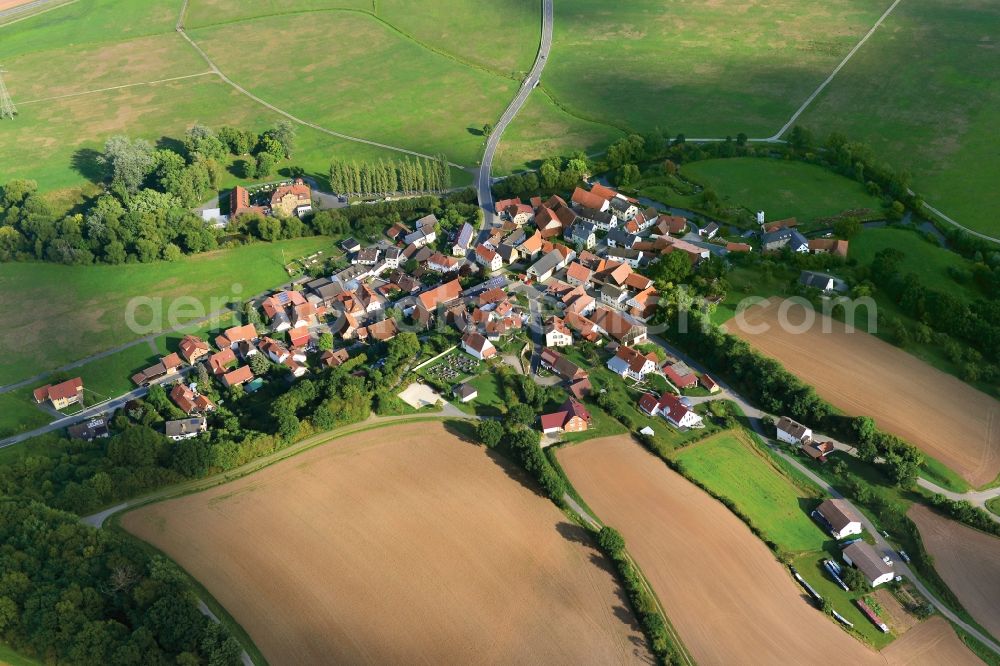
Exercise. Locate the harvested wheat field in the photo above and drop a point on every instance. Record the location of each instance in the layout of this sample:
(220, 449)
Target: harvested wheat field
(931, 643)
(729, 599)
(968, 560)
(398, 545)
(862, 375)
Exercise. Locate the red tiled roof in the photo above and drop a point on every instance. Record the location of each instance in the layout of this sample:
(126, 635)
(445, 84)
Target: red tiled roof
(442, 293)
(240, 375)
(588, 199)
(190, 344)
(679, 380)
(554, 420)
(62, 391)
(298, 336)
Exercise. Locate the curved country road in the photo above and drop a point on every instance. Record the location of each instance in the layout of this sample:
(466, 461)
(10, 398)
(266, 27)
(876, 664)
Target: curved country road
(483, 178)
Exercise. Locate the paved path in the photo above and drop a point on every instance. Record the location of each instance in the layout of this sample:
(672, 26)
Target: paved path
(833, 74)
(30, 8)
(483, 178)
(207, 612)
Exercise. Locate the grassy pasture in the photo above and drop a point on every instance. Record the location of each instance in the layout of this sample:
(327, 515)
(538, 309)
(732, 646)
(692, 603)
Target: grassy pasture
(541, 129)
(704, 69)
(80, 310)
(735, 469)
(377, 84)
(781, 189)
(933, 111)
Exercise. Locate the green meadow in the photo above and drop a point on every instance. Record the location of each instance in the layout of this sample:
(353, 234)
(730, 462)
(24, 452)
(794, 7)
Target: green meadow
(81, 310)
(933, 111)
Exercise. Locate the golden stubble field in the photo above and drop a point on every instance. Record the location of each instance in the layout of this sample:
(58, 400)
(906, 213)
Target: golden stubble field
(862, 375)
(968, 560)
(398, 545)
(730, 600)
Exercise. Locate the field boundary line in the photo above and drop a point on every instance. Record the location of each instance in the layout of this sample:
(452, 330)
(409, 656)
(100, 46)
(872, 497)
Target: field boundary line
(833, 74)
(111, 88)
(14, 11)
(372, 15)
(286, 114)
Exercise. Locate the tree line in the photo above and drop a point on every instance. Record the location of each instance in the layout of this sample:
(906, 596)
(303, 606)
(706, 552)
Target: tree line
(70, 594)
(406, 176)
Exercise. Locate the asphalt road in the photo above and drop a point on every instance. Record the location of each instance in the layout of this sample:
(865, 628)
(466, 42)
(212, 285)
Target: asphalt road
(483, 178)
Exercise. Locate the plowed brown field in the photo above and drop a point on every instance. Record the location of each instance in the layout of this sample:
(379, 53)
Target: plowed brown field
(862, 375)
(398, 545)
(931, 643)
(730, 600)
(969, 562)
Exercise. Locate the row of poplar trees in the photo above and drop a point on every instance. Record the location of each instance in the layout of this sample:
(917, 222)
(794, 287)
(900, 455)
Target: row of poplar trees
(407, 176)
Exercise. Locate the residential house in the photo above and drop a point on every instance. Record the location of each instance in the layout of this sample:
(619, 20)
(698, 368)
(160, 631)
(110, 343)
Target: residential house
(237, 377)
(274, 350)
(166, 367)
(582, 234)
(443, 264)
(380, 331)
(294, 199)
(488, 258)
(773, 241)
(235, 335)
(572, 416)
(825, 283)
(508, 253)
(296, 368)
(642, 304)
(189, 400)
(624, 209)
(427, 222)
(219, 363)
(603, 221)
(185, 428)
(478, 346)
(792, 432)
(430, 300)
(531, 246)
(695, 253)
(463, 240)
(671, 224)
(737, 247)
(543, 269)
(557, 334)
(193, 348)
(334, 358)
(614, 296)
(621, 238)
(88, 431)
(578, 274)
(560, 365)
(630, 256)
(709, 231)
(622, 328)
(62, 395)
(866, 559)
(489, 298)
(632, 363)
(680, 375)
(421, 237)
(832, 246)
(368, 299)
(818, 450)
(843, 520)
(580, 388)
(709, 384)
(392, 257)
(465, 392)
(583, 199)
(670, 407)
(367, 257)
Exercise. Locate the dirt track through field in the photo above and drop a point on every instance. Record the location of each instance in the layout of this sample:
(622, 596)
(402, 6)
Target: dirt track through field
(729, 599)
(931, 643)
(398, 545)
(862, 375)
(969, 562)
